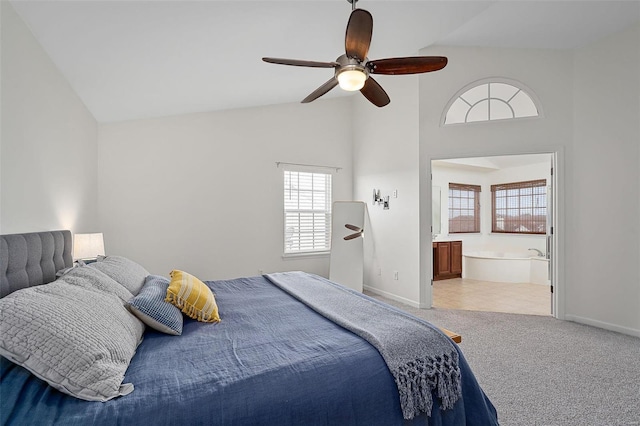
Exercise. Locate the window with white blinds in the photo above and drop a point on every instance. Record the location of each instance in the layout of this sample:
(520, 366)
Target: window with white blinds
(307, 212)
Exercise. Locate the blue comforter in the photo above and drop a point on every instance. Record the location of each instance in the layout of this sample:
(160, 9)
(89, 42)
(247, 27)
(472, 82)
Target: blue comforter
(271, 361)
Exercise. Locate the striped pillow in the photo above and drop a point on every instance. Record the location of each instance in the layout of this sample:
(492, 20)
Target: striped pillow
(192, 296)
(150, 307)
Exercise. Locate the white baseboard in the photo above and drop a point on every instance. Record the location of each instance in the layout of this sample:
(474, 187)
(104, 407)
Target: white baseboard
(574, 318)
(392, 296)
(604, 325)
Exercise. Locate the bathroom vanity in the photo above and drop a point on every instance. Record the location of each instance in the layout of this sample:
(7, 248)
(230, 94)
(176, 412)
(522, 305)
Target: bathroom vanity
(447, 260)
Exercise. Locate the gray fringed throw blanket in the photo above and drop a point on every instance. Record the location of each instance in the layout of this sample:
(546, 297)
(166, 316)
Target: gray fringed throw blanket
(421, 358)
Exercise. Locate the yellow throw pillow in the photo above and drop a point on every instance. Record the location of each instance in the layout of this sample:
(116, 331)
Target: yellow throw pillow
(192, 296)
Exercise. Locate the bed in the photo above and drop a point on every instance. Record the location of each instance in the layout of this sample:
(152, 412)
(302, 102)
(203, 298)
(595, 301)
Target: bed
(272, 359)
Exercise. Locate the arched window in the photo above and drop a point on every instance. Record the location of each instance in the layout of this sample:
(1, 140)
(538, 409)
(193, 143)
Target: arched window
(489, 100)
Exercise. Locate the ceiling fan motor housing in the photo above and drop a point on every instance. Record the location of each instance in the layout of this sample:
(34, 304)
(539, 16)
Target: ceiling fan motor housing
(351, 80)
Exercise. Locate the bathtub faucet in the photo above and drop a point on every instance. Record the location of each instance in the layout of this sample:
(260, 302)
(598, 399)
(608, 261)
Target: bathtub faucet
(541, 254)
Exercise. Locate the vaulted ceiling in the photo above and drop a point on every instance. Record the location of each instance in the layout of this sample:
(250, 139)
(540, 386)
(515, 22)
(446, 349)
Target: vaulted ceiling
(139, 59)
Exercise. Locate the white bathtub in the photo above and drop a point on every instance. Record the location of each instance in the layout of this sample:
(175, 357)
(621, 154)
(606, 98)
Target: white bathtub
(505, 267)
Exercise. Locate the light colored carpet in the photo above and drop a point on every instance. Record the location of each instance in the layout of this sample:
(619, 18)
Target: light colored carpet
(541, 371)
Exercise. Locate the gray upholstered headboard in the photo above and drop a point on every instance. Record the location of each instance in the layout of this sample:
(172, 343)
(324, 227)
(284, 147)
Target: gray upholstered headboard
(32, 259)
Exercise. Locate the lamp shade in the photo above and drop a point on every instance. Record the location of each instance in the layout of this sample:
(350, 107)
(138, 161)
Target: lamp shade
(352, 80)
(88, 246)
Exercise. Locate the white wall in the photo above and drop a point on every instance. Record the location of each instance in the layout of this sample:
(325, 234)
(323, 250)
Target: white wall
(385, 157)
(548, 73)
(604, 243)
(591, 112)
(48, 141)
(202, 192)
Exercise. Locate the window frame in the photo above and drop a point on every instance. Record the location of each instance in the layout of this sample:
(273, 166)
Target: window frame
(319, 246)
(476, 190)
(491, 80)
(519, 186)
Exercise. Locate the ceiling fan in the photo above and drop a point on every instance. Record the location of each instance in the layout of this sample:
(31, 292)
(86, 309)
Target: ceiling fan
(352, 70)
(357, 232)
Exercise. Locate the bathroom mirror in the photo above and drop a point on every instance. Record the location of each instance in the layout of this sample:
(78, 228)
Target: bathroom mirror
(435, 209)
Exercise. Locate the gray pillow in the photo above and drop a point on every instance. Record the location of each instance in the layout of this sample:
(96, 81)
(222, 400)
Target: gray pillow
(95, 280)
(125, 271)
(80, 341)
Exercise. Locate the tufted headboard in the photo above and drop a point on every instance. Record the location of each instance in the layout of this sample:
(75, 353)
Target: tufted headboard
(32, 259)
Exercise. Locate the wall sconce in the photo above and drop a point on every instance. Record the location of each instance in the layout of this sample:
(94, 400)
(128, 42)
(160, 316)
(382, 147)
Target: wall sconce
(87, 247)
(377, 199)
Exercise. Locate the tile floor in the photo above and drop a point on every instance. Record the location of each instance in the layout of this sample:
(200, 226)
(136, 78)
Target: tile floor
(472, 295)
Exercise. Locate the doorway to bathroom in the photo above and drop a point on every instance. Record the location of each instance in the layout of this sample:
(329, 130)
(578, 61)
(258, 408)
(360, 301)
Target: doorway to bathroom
(493, 228)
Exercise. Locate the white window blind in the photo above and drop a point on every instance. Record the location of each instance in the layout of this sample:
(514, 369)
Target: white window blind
(307, 212)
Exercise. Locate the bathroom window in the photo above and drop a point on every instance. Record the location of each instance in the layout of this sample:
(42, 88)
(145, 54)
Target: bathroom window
(464, 208)
(307, 212)
(519, 207)
(491, 100)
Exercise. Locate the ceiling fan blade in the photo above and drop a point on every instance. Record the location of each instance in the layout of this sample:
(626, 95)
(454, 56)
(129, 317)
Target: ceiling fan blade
(300, 63)
(358, 37)
(352, 236)
(375, 93)
(333, 82)
(353, 227)
(407, 65)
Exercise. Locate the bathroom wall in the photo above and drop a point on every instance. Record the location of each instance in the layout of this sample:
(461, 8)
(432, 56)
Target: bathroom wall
(485, 177)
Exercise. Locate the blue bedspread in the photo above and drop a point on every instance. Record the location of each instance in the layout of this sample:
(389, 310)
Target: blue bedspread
(271, 361)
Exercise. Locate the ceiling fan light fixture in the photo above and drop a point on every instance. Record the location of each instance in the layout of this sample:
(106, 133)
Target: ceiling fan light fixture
(352, 80)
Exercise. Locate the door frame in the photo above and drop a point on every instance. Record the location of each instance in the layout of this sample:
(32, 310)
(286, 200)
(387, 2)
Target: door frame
(557, 242)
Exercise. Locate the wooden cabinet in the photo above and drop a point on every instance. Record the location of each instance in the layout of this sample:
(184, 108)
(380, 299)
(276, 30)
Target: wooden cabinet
(456, 258)
(447, 260)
